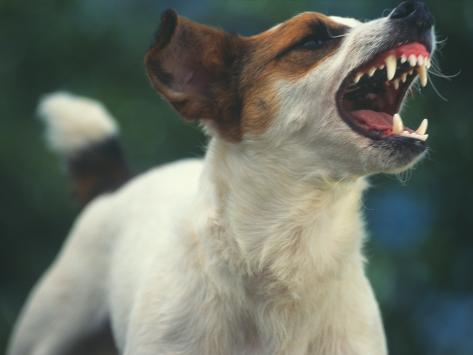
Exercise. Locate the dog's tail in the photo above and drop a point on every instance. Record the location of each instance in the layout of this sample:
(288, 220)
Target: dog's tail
(86, 136)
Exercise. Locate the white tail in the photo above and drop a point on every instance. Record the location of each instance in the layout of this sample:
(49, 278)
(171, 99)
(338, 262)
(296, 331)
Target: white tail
(73, 123)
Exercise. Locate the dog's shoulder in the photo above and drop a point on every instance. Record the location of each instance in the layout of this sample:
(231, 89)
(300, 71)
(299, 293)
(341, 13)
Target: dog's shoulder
(173, 179)
(152, 194)
(144, 203)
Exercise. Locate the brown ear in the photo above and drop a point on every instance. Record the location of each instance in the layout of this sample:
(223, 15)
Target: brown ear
(196, 69)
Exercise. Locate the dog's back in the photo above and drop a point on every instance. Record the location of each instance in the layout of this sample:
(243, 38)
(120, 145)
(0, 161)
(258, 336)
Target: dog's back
(81, 285)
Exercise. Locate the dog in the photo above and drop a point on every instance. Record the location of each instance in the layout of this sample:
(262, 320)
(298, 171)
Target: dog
(257, 248)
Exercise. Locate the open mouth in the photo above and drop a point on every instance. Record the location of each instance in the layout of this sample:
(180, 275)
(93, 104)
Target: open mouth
(371, 96)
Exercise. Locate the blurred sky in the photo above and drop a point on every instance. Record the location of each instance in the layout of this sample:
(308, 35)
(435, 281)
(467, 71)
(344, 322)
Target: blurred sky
(420, 223)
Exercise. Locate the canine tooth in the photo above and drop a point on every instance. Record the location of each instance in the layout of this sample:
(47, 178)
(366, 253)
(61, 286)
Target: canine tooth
(396, 84)
(411, 71)
(403, 59)
(391, 66)
(420, 60)
(381, 67)
(398, 126)
(358, 78)
(404, 77)
(422, 71)
(422, 130)
(372, 71)
(412, 60)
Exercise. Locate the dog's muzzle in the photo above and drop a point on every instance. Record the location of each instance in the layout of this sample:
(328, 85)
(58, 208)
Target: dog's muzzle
(415, 15)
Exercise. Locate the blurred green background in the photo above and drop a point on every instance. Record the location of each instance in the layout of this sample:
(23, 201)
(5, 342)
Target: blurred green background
(421, 245)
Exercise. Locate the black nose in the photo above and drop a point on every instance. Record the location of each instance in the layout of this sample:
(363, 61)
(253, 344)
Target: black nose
(416, 12)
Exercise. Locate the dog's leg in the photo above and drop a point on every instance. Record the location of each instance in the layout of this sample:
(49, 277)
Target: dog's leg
(61, 312)
(68, 305)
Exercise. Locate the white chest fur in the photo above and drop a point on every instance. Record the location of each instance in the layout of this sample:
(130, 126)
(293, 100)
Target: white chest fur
(272, 266)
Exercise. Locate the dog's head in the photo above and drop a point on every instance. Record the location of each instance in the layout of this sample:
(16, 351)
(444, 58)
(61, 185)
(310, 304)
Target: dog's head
(316, 91)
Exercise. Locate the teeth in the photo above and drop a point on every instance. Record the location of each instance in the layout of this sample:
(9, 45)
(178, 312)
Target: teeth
(422, 137)
(422, 71)
(396, 84)
(391, 66)
(398, 126)
(418, 63)
(358, 78)
(428, 64)
(422, 130)
(420, 60)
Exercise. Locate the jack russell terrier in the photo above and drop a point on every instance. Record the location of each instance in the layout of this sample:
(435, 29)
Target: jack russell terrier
(257, 248)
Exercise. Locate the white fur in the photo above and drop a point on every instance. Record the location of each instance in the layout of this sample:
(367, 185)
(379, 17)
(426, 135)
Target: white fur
(255, 250)
(74, 122)
(347, 21)
(230, 265)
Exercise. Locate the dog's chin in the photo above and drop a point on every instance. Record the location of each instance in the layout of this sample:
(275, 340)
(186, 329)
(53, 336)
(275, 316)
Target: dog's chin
(393, 155)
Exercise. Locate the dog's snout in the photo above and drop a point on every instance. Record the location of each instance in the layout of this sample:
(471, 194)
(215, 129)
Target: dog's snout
(404, 10)
(416, 12)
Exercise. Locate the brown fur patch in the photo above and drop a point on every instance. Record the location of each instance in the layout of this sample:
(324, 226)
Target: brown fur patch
(228, 80)
(275, 56)
(98, 169)
(196, 72)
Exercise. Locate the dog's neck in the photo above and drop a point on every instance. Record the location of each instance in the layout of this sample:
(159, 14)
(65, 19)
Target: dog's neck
(269, 223)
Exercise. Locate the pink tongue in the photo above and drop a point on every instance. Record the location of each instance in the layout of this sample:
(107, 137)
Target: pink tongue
(374, 119)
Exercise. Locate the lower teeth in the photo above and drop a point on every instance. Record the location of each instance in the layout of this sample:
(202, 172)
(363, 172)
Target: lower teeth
(420, 133)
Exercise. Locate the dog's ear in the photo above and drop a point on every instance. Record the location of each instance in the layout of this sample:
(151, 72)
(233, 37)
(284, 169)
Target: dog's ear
(196, 68)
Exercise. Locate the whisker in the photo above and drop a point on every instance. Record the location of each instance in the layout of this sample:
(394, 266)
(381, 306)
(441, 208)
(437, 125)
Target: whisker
(444, 76)
(436, 90)
(404, 177)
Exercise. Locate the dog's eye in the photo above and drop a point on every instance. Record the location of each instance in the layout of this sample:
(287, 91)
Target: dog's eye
(313, 43)
(321, 35)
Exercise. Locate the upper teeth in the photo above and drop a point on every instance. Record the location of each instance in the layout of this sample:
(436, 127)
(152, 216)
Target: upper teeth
(422, 71)
(427, 63)
(420, 60)
(412, 60)
(391, 66)
(420, 133)
(420, 63)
